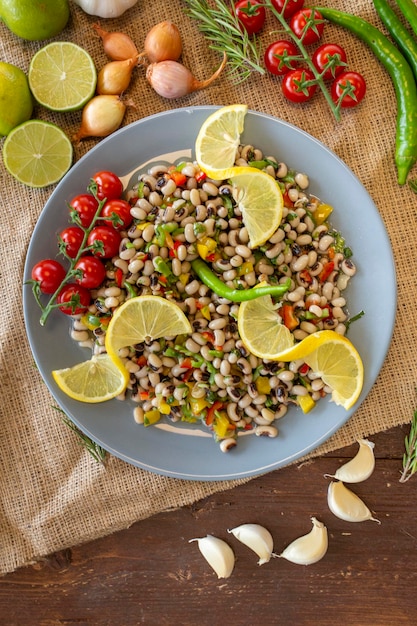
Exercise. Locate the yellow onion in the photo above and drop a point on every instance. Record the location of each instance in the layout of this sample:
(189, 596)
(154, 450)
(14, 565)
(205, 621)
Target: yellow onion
(163, 43)
(114, 77)
(171, 79)
(101, 116)
(117, 46)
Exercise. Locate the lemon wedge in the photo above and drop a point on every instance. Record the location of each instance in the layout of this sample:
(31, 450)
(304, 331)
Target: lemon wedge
(96, 380)
(141, 318)
(218, 140)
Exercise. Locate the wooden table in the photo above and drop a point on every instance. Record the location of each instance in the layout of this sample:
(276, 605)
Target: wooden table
(150, 574)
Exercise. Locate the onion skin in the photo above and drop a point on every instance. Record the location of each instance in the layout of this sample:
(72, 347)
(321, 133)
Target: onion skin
(117, 46)
(101, 116)
(114, 77)
(171, 79)
(163, 43)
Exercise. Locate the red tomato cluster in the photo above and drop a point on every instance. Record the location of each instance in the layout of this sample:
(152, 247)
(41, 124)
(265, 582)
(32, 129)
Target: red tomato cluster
(86, 244)
(283, 58)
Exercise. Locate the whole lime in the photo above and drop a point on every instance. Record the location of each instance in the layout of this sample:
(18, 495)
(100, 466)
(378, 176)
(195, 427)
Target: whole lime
(16, 102)
(35, 20)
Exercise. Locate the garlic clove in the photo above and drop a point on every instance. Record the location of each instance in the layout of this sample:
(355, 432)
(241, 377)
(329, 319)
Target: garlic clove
(257, 538)
(218, 554)
(309, 548)
(360, 467)
(346, 505)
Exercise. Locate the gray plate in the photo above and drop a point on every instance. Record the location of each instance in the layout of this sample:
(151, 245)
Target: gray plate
(175, 453)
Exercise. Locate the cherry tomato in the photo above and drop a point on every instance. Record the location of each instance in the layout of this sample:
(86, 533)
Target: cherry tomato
(292, 6)
(109, 185)
(117, 212)
(276, 57)
(80, 295)
(351, 86)
(93, 272)
(251, 14)
(49, 274)
(72, 237)
(110, 240)
(86, 206)
(329, 59)
(294, 87)
(302, 27)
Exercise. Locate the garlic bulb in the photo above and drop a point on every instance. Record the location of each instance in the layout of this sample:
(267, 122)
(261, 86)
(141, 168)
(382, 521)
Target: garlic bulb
(257, 538)
(360, 467)
(218, 554)
(309, 548)
(347, 505)
(105, 8)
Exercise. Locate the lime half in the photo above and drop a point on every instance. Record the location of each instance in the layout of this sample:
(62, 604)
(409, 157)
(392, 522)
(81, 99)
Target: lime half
(37, 153)
(62, 76)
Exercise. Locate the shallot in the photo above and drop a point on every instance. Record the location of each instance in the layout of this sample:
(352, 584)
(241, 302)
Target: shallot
(101, 116)
(163, 43)
(118, 46)
(114, 77)
(171, 79)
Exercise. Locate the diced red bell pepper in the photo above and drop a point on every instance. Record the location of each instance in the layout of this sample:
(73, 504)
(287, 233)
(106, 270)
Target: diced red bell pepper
(288, 316)
(326, 271)
(216, 406)
(200, 176)
(119, 277)
(178, 177)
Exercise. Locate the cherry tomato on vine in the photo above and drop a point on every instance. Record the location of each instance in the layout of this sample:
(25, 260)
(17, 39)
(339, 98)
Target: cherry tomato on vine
(79, 295)
(93, 272)
(109, 185)
(292, 6)
(276, 57)
(349, 89)
(331, 59)
(72, 238)
(117, 213)
(294, 85)
(86, 206)
(49, 274)
(110, 240)
(251, 14)
(307, 25)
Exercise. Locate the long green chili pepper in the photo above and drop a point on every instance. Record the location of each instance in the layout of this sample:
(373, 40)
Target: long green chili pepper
(403, 80)
(235, 295)
(409, 10)
(404, 39)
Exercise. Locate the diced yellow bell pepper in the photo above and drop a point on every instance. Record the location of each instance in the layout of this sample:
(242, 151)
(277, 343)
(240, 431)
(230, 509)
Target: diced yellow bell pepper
(245, 268)
(205, 245)
(262, 384)
(151, 417)
(197, 405)
(321, 214)
(184, 278)
(306, 403)
(205, 312)
(221, 425)
(163, 406)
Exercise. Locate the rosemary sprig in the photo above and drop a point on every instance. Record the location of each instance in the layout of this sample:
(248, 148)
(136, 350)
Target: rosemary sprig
(97, 452)
(220, 25)
(410, 454)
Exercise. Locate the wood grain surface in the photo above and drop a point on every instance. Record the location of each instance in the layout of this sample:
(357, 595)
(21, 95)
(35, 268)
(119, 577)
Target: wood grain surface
(151, 574)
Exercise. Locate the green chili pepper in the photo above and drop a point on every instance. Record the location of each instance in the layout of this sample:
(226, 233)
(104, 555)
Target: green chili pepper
(404, 39)
(403, 80)
(409, 10)
(235, 295)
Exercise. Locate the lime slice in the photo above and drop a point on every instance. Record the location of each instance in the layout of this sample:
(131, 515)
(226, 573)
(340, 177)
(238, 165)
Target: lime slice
(144, 317)
(62, 76)
(37, 153)
(260, 200)
(261, 330)
(96, 380)
(218, 140)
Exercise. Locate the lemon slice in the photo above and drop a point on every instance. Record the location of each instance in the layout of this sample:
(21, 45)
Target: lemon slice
(335, 359)
(37, 153)
(260, 201)
(218, 140)
(142, 318)
(261, 330)
(62, 76)
(96, 380)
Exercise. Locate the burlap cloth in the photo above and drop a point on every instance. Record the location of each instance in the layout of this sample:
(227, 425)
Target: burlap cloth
(53, 494)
